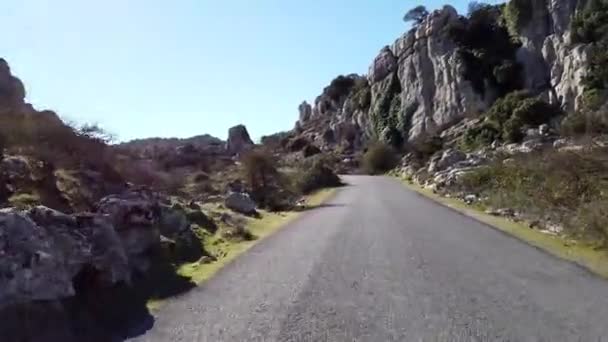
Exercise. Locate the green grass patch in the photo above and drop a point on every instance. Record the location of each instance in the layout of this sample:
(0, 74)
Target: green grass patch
(589, 256)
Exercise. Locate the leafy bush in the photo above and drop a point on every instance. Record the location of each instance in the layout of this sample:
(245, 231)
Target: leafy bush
(259, 169)
(416, 14)
(479, 136)
(379, 159)
(509, 116)
(318, 176)
(590, 26)
(340, 87)
(517, 14)
(487, 50)
(392, 137)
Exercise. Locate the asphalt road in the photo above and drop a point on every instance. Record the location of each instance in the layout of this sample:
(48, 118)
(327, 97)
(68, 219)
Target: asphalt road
(381, 263)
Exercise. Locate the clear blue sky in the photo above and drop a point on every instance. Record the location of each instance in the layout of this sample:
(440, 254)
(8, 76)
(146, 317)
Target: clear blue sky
(144, 68)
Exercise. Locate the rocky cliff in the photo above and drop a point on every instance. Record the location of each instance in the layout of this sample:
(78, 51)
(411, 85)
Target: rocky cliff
(450, 66)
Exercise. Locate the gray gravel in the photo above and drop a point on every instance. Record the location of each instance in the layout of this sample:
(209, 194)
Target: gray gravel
(381, 263)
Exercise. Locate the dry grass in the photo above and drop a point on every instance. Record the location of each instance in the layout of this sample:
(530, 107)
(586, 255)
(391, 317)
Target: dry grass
(582, 253)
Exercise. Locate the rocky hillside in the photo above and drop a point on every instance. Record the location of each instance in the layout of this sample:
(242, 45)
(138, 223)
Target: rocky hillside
(451, 66)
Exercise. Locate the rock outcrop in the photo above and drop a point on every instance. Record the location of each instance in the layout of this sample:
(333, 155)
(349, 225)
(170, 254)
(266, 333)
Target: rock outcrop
(70, 266)
(240, 202)
(419, 86)
(12, 91)
(238, 140)
(552, 63)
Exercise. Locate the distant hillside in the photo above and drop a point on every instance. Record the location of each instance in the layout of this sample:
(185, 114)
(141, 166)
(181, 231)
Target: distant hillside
(149, 147)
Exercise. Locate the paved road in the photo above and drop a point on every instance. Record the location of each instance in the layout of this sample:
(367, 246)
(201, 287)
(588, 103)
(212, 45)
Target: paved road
(380, 263)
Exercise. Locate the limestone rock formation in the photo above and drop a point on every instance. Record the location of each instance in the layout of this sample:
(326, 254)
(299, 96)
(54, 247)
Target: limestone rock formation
(552, 63)
(135, 216)
(419, 86)
(43, 250)
(12, 91)
(238, 140)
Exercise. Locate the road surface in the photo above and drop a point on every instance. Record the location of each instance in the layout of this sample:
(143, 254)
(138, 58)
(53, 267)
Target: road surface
(381, 263)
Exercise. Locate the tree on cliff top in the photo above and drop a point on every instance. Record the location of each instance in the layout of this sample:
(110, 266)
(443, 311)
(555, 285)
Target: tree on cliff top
(416, 14)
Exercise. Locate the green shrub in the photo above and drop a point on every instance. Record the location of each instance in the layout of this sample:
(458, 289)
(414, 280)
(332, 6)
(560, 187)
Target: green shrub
(392, 137)
(517, 14)
(590, 23)
(507, 119)
(478, 136)
(416, 14)
(590, 26)
(340, 87)
(259, 170)
(24, 200)
(318, 176)
(379, 159)
(591, 219)
(487, 50)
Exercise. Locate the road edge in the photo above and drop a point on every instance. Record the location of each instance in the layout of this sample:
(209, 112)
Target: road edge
(593, 260)
(209, 271)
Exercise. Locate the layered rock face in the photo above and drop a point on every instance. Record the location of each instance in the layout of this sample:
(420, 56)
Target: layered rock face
(418, 86)
(552, 63)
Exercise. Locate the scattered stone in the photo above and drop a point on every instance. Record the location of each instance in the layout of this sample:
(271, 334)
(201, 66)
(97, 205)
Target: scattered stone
(206, 259)
(544, 130)
(445, 160)
(470, 199)
(240, 202)
(503, 212)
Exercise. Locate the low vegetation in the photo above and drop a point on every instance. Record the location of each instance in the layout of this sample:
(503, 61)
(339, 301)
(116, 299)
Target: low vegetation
(378, 159)
(508, 118)
(320, 175)
(564, 187)
(517, 14)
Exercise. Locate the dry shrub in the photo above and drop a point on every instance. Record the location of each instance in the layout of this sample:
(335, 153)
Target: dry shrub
(566, 187)
(379, 159)
(317, 177)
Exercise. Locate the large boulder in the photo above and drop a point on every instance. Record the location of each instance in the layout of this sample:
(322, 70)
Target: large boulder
(445, 160)
(43, 250)
(240, 202)
(135, 216)
(238, 140)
